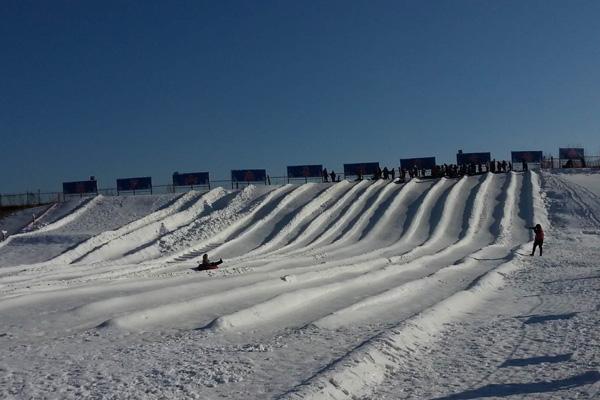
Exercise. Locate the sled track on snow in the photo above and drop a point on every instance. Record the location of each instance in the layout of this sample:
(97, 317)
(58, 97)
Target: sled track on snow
(310, 283)
(316, 253)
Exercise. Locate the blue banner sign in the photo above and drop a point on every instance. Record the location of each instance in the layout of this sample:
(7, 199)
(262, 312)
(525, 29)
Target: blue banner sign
(526, 156)
(305, 171)
(249, 175)
(421, 163)
(362, 168)
(472, 158)
(191, 179)
(80, 187)
(570, 153)
(126, 184)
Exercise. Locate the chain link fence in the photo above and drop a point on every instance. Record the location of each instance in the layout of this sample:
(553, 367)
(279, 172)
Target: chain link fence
(37, 198)
(585, 162)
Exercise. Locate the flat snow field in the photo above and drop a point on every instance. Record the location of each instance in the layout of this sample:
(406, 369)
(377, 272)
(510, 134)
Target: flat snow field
(353, 290)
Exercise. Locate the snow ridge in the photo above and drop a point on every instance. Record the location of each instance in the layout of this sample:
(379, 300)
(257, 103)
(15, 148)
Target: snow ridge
(104, 237)
(360, 370)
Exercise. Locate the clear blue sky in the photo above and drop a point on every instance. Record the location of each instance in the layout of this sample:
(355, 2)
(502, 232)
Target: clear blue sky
(135, 88)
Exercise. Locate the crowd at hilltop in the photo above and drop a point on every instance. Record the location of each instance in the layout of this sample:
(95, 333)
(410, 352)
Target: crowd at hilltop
(438, 171)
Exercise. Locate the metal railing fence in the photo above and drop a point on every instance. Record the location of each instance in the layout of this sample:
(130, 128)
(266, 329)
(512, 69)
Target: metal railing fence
(38, 198)
(585, 162)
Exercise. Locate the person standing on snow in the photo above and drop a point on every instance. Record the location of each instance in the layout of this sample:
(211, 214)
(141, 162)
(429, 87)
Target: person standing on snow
(539, 238)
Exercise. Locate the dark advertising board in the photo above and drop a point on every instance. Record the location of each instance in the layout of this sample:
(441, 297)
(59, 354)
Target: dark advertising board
(80, 187)
(526, 156)
(305, 171)
(248, 175)
(191, 179)
(369, 168)
(570, 153)
(472, 158)
(132, 184)
(421, 163)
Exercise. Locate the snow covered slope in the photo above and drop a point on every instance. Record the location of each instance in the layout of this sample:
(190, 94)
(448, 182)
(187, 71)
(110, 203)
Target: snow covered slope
(69, 223)
(327, 291)
(586, 178)
(21, 219)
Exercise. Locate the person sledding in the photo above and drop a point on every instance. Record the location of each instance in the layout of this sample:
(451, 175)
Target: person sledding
(207, 264)
(539, 238)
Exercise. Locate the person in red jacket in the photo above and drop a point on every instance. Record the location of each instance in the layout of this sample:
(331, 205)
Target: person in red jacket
(539, 238)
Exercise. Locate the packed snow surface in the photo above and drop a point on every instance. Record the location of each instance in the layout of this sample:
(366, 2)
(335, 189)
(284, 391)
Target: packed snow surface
(67, 224)
(353, 290)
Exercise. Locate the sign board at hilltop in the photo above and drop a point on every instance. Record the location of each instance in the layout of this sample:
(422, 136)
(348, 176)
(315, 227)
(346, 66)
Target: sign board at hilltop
(133, 184)
(570, 153)
(369, 168)
(420, 163)
(526, 156)
(80, 187)
(305, 171)
(191, 179)
(472, 158)
(249, 175)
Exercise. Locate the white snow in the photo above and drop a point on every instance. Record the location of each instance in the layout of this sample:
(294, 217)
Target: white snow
(353, 290)
(21, 219)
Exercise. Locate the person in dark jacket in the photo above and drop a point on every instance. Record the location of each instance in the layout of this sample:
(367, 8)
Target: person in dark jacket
(359, 175)
(385, 173)
(539, 238)
(207, 263)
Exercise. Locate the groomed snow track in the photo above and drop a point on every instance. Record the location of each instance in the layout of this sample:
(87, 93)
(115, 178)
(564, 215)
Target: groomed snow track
(313, 256)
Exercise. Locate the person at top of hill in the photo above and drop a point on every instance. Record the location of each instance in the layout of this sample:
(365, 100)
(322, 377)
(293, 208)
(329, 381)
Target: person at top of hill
(359, 175)
(539, 238)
